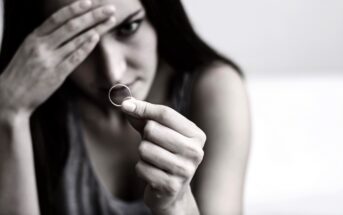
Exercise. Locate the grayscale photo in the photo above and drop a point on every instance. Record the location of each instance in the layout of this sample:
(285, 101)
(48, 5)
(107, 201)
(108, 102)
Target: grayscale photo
(171, 107)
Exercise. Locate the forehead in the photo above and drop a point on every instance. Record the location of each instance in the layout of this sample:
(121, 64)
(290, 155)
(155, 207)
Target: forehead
(123, 7)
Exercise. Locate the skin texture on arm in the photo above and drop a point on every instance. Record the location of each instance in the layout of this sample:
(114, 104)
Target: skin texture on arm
(220, 108)
(16, 160)
(17, 177)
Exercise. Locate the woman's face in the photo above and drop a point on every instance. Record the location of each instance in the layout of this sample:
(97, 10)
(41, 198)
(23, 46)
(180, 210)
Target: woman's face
(127, 54)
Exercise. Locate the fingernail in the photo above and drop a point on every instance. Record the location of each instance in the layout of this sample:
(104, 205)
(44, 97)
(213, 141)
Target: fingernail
(108, 10)
(128, 105)
(85, 4)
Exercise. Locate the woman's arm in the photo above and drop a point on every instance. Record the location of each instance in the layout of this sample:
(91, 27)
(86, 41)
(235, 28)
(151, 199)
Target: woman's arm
(220, 108)
(18, 192)
(40, 66)
(17, 176)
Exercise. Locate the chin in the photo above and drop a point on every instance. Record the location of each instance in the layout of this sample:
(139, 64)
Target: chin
(139, 90)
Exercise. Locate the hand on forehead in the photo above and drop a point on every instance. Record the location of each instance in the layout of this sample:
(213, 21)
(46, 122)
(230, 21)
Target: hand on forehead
(123, 7)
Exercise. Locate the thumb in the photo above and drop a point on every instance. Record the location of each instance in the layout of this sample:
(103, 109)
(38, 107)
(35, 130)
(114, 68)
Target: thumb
(129, 108)
(141, 109)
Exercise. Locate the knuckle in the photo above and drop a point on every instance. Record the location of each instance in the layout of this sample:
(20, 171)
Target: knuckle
(35, 34)
(183, 169)
(199, 156)
(172, 187)
(101, 29)
(143, 110)
(30, 42)
(81, 39)
(155, 185)
(86, 48)
(188, 170)
(71, 26)
(76, 57)
(73, 9)
(196, 154)
(149, 129)
(96, 14)
(90, 33)
(35, 50)
(45, 65)
(143, 149)
(165, 112)
(55, 19)
(77, 42)
(200, 137)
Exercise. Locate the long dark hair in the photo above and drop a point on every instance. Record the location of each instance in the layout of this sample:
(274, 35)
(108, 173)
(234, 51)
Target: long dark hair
(178, 44)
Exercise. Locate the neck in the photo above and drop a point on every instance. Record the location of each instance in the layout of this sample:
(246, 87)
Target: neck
(159, 92)
(99, 122)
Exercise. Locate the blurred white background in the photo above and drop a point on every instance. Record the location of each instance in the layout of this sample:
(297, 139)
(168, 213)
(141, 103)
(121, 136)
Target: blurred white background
(291, 52)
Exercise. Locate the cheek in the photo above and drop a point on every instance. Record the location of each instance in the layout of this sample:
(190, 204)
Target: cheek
(145, 49)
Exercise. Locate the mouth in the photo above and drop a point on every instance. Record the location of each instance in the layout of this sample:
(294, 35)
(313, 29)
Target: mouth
(129, 84)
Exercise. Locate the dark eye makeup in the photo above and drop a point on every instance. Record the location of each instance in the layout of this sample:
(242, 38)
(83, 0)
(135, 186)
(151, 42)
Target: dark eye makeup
(128, 28)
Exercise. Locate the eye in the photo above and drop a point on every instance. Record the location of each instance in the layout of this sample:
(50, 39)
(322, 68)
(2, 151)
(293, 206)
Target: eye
(128, 29)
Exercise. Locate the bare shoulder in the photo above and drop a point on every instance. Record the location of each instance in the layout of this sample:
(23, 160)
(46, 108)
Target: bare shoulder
(220, 108)
(220, 93)
(219, 75)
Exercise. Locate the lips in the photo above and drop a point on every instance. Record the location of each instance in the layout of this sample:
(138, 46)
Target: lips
(130, 83)
(127, 83)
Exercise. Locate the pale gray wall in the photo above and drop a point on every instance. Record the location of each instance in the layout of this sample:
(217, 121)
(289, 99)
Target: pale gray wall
(271, 36)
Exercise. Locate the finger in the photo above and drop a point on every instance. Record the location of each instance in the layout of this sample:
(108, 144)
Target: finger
(79, 24)
(157, 179)
(160, 113)
(74, 44)
(60, 17)
(165, 160)
(173, 142)
(75, 59)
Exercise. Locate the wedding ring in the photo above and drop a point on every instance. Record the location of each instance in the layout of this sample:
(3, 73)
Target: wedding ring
(119, 93)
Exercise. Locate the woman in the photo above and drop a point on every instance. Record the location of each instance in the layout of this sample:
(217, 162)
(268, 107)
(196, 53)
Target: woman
(89, 157)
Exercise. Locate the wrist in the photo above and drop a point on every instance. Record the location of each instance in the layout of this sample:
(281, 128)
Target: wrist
(10, 109)
(12, 117)
(12, 113)
(185, 205)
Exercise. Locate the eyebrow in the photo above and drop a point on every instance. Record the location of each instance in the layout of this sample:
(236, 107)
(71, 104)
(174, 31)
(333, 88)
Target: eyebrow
(129, 17)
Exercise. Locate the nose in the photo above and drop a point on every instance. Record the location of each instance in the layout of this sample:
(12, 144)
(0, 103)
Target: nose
(113, 65)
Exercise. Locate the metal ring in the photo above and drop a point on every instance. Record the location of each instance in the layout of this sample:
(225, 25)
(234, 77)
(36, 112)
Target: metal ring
(115, 86)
